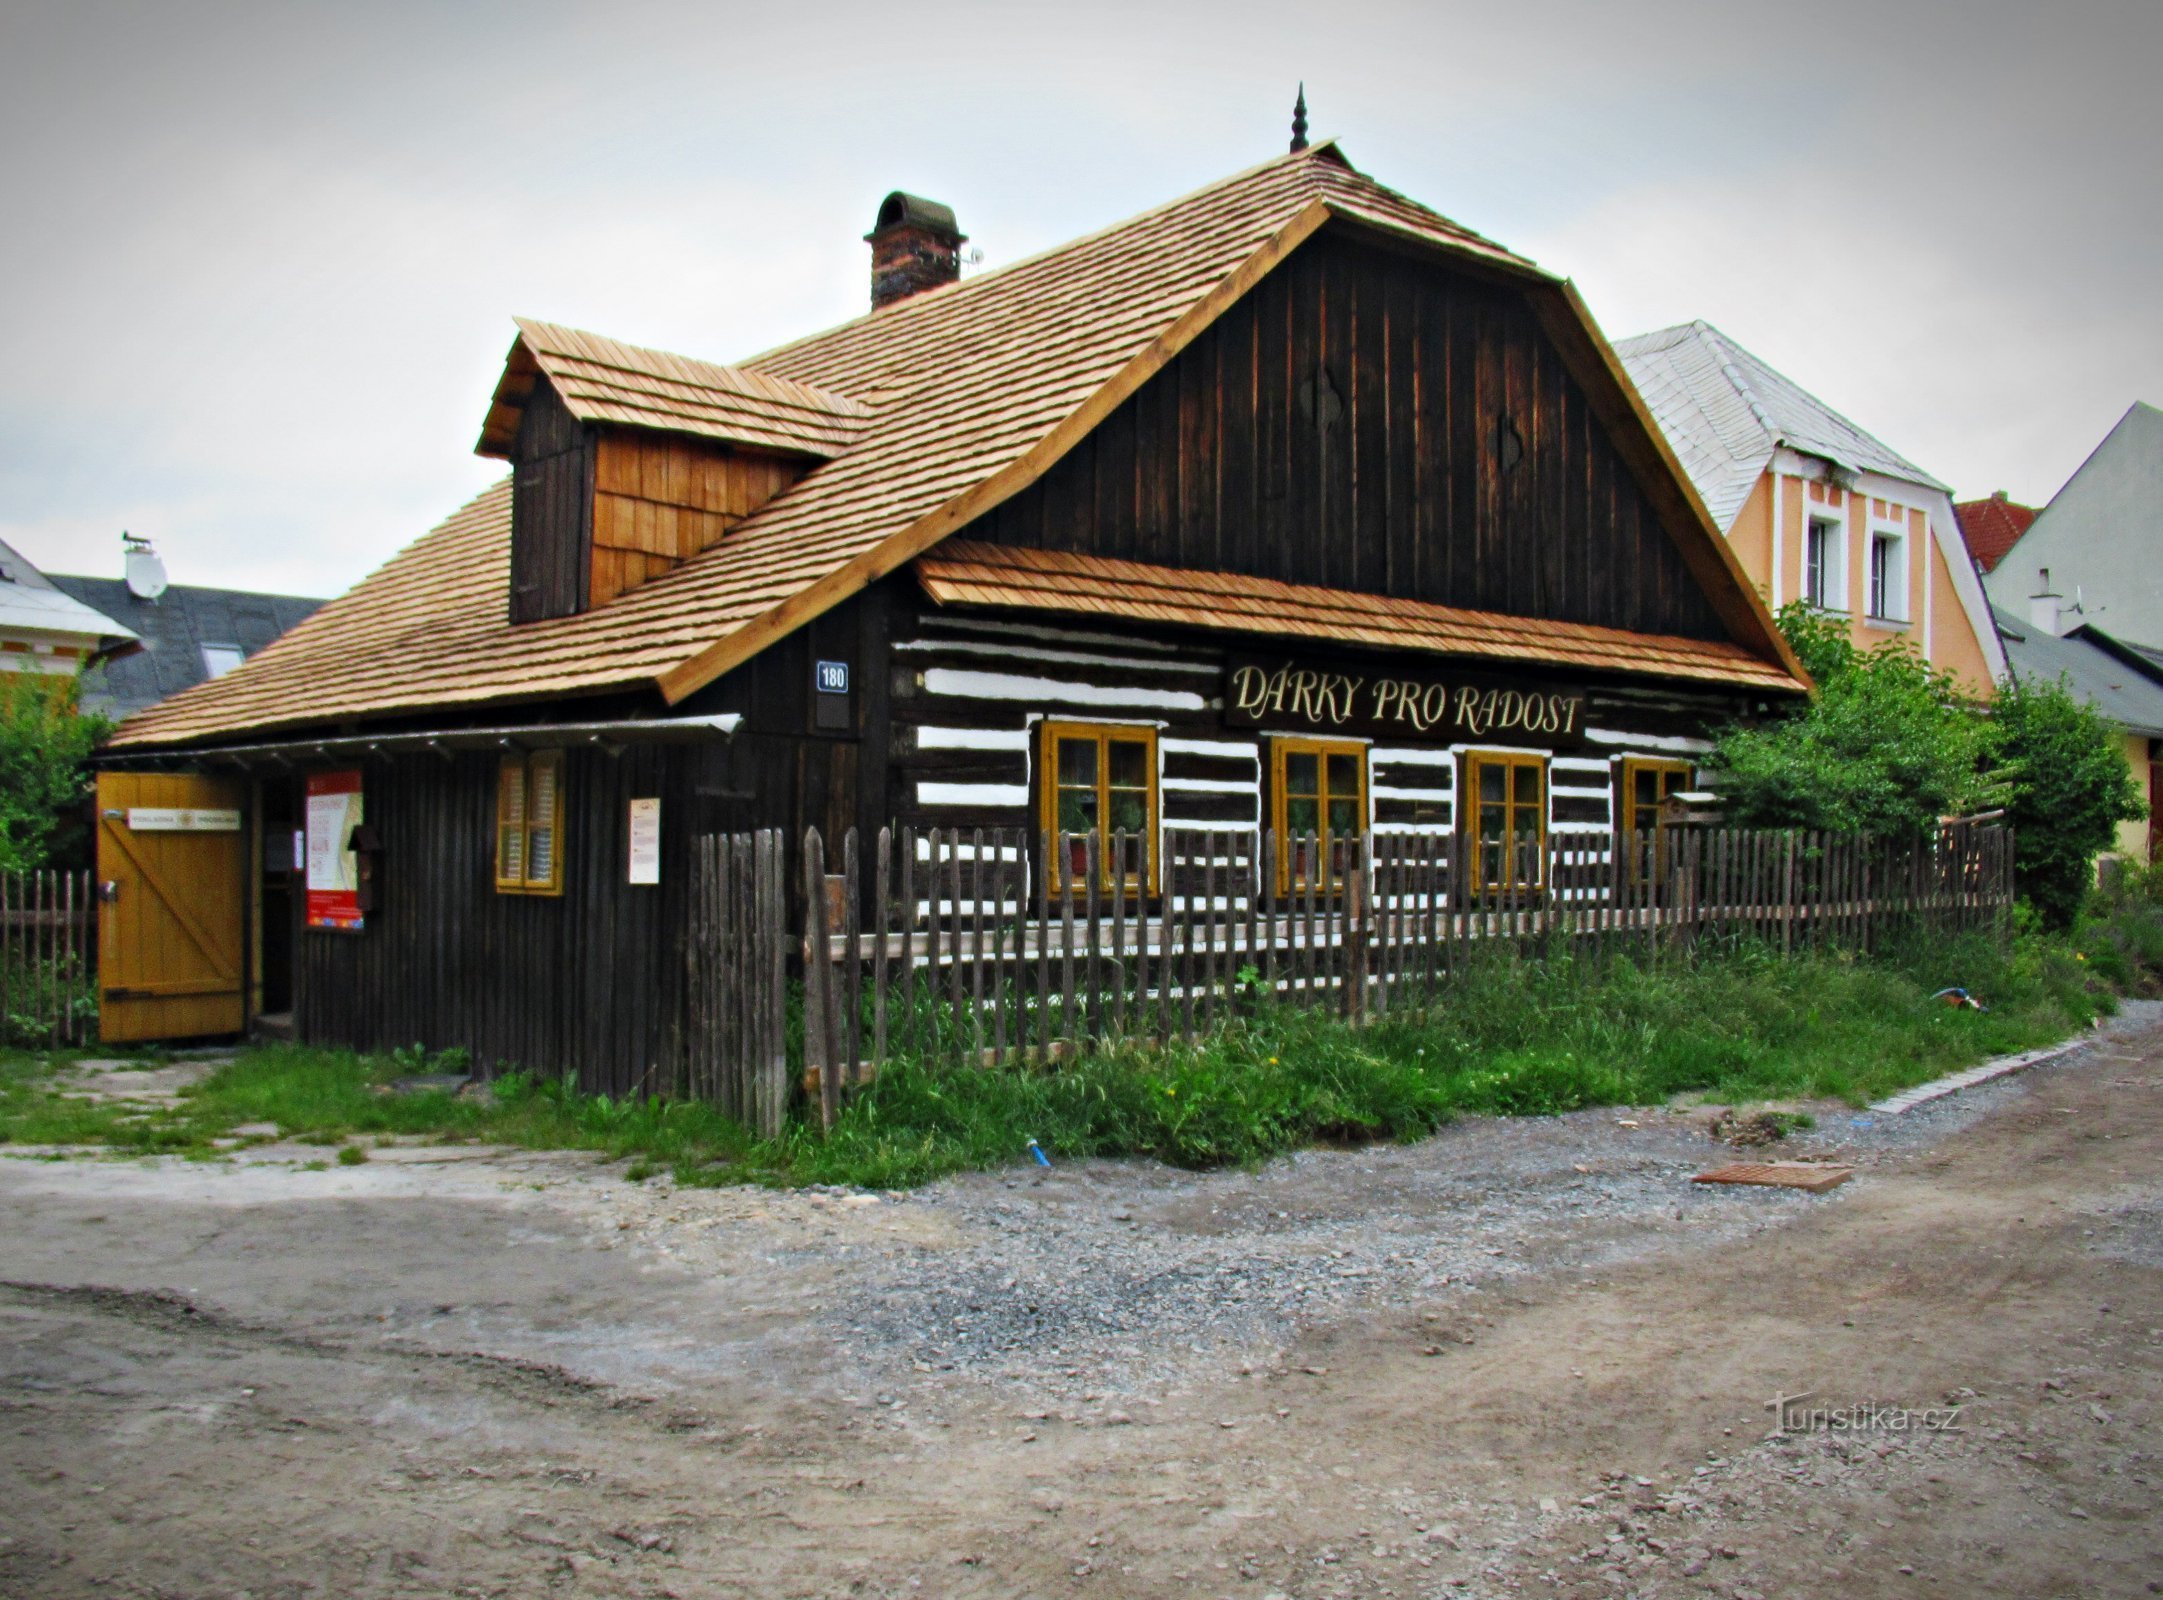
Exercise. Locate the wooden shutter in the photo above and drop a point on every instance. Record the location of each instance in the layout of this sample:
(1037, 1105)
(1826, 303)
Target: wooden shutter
(544, 823)
(511, 825)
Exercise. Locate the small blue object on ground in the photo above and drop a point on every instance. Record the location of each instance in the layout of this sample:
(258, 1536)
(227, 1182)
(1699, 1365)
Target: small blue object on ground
(1042, 1159)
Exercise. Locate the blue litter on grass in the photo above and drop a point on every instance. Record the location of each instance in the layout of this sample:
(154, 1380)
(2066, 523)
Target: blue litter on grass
(1042, 1159)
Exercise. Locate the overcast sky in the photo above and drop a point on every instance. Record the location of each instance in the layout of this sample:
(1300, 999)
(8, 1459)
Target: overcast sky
(259, 261)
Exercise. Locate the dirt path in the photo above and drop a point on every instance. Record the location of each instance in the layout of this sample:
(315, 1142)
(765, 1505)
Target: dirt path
(1518, 1358)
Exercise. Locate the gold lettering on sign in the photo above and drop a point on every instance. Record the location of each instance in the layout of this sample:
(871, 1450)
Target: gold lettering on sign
(1339, 700)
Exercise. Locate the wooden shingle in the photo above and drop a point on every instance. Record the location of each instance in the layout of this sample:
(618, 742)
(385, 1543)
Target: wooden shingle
(960, 572)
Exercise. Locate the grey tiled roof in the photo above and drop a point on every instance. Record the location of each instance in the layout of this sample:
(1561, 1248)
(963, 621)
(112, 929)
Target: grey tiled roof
(174, 628)
(1724, 411)
(2125, 695)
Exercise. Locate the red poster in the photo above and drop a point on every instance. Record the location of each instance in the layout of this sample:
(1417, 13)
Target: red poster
(333, 812)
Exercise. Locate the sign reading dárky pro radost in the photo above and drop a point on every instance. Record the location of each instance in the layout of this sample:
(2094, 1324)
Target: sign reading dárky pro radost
(1398, 701)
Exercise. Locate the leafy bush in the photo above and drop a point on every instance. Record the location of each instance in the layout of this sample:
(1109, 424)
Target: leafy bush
(1886, 745)
(2071, 787)
(44, 741)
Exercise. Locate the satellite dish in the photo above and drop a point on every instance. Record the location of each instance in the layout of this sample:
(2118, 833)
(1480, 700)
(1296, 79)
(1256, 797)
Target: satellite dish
(145, 572)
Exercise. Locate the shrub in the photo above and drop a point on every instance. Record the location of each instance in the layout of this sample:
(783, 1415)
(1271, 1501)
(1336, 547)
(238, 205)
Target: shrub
(2071, 787)
(1885, 746)
(44, 741)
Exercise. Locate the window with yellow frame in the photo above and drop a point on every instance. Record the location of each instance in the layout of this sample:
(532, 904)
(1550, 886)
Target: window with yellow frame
(1318, 792)
(1506, 820)
(1100, 778)
(1645, 783)
(529, 823)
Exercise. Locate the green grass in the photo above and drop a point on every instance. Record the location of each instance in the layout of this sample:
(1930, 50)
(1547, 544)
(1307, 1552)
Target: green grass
(1512, 1037)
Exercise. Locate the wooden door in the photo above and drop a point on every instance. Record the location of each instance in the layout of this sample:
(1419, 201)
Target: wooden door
(172, 871)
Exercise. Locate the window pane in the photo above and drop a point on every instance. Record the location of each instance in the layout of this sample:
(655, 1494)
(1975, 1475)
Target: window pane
(1130, 809)
(1491, 821)
(1130, 763)
(1301, 815)
(1077, 809)
(1344, 775)
(1078, 762)
(1343, 816)
(1492, 778)
(1527, 785)
(1302, 773)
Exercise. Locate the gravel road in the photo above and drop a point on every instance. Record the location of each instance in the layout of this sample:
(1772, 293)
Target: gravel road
(1521, 1356)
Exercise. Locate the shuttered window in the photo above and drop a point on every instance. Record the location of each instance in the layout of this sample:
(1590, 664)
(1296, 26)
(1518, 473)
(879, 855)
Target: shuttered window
(529, 824)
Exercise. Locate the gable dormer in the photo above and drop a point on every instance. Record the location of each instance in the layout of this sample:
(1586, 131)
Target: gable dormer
(627, 462)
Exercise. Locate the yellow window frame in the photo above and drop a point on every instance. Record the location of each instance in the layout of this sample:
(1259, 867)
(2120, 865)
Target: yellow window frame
(1509, 763)
(1103, 735)
(1682, 774)
(529, 823)
(1281, 750)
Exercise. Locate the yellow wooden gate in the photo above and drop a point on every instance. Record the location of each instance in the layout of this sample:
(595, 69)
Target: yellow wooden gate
(172, 870)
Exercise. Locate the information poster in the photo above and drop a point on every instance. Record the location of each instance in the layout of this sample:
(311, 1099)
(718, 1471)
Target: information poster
(333, 812)
(646, 841)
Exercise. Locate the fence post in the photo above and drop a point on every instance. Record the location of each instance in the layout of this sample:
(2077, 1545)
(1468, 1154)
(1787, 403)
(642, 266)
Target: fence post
(819, 1054)
(1356, 903)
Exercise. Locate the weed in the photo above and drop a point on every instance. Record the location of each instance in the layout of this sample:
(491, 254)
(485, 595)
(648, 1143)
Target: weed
(352, 1156)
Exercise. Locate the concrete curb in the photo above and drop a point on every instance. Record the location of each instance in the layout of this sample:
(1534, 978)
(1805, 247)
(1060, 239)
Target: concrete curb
(1954, 1082)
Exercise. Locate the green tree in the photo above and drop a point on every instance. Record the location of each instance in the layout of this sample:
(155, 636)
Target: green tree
(44, 741)
(2071, 788)
(1885, 746)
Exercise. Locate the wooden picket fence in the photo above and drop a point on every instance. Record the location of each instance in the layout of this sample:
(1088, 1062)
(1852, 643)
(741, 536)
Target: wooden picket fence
(997, 945)
(47, 923)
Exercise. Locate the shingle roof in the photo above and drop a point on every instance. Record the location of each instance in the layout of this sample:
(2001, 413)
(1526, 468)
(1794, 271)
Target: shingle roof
(961, 572)
(604, 380)
(174, 629)
(974, 390)
(1992, 527)
(2122, 694)
(1725, 412)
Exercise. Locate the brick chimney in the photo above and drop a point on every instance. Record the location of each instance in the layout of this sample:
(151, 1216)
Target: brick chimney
(915, 245)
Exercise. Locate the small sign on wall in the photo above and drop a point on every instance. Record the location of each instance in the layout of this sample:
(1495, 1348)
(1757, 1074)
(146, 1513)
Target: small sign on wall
(333, 811)
(646, 841)
(172, 819)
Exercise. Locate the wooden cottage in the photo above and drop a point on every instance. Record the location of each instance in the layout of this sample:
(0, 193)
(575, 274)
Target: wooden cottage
(1290, 504)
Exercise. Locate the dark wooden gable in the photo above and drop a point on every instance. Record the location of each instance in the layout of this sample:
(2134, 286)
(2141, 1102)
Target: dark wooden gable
(1373, 421)
(551, 509)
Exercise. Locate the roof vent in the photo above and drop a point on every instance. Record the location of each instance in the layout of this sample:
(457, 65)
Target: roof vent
(145, 572)
(915, 245)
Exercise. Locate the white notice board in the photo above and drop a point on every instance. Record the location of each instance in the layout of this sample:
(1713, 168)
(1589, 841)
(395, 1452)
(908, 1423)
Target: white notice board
(646, 841)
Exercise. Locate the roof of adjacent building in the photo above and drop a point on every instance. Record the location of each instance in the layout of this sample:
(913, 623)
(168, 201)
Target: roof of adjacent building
(2096, 667)
(31, 602)
(962, 572)
(1992, 527)
(604, 380)
(970, 393)
(1726, 412)
(174, 628)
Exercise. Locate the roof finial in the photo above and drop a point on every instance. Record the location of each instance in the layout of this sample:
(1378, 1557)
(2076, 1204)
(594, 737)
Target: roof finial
(1299, 119)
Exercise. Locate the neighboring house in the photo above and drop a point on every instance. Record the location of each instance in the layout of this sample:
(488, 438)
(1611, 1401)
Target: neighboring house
(43, 629)
(1991, 527)
(1815, 508)
(1290, 503)
(2096, 550)
(2123, 684)
(189, 634)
